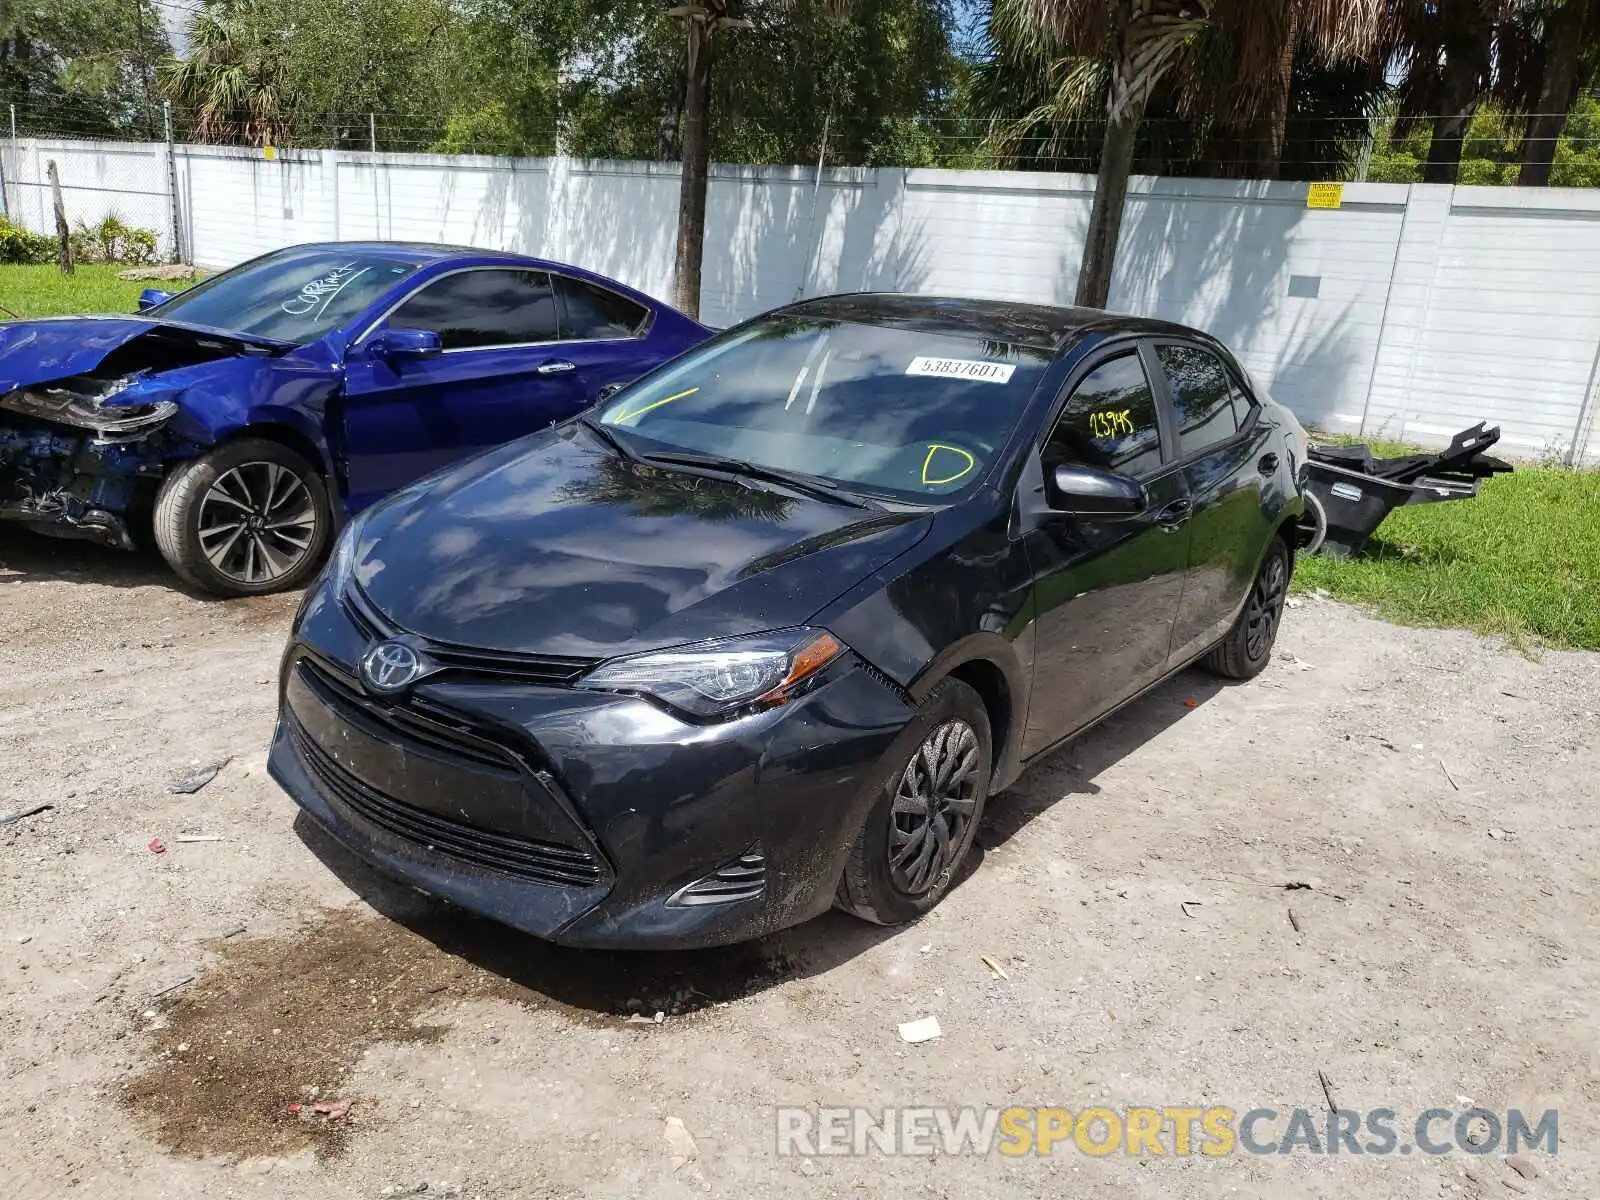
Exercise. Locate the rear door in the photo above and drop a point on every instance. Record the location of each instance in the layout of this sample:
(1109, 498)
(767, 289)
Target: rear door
(503, 373)
(605, 335)
(1106, 592)
(1224, 456)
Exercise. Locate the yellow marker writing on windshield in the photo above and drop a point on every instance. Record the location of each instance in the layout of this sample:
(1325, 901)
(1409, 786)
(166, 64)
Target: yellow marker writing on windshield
(933, 449)
(639, 412)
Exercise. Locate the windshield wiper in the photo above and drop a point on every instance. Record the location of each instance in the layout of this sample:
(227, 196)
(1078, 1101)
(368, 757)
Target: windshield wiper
(810, 485)
(605, 435)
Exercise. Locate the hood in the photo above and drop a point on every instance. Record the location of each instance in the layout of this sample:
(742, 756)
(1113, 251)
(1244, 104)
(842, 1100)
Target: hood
(553, 545)
(42, 351)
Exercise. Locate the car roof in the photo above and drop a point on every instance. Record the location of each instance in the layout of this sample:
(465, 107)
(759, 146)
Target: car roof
(1042, 326)
(420, 252)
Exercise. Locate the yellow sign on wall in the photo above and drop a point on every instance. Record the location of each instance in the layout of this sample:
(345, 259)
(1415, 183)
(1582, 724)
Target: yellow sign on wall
(269, 153)
(1325, 195)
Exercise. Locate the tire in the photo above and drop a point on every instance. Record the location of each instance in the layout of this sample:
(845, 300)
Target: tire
(282, 536)
(1248, 647)
(1313, 525)
(951, 725)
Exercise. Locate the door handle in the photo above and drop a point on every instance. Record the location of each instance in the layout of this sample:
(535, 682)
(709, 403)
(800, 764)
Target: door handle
(1268, 464)
(556, 366)
(1174, 514)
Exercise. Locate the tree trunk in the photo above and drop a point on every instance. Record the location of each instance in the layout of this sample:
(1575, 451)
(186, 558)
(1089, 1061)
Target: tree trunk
(696, 170)
(1444, 150)
(63, 230)
(1450, 126)
(1545, 124)
(1269, 132)
(1105, 218)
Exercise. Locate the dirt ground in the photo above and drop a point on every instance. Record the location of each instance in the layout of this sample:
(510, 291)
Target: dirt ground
(160, 1012)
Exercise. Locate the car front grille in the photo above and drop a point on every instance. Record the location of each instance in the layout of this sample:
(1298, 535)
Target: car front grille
(467, 662)
(447, 765)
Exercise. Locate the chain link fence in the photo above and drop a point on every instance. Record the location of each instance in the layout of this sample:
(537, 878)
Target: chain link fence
(119, 199)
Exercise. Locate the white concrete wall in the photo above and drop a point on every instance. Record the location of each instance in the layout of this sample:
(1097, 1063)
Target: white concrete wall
(1410, 312)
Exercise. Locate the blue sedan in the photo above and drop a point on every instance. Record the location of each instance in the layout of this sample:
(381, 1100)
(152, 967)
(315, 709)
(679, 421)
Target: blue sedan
(240, 421)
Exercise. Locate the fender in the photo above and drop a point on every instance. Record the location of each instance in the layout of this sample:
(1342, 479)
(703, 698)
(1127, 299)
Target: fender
(290, 393)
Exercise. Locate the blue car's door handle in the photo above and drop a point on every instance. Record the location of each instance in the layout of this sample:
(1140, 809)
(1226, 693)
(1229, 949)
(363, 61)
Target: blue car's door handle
(556, 366)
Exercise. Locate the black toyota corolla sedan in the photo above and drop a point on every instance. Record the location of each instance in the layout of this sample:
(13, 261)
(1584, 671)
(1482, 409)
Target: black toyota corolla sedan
(761, 632)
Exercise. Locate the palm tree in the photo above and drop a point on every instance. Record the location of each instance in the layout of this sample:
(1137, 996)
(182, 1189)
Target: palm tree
(233, 77)
(1240, 50)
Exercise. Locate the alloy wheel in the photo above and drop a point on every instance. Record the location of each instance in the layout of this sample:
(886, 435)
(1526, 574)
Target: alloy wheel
(1266, 606)
(257, 522)
(933, 807)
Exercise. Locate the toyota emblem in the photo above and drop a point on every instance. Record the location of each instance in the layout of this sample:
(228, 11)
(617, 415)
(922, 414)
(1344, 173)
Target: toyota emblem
(390, 666)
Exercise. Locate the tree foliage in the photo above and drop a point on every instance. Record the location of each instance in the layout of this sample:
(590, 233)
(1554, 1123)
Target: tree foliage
(80, 66)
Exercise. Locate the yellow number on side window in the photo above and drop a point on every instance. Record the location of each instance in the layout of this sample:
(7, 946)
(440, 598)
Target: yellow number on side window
(1110, 424)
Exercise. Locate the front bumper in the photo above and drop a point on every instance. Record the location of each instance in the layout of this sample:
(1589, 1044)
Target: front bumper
(583, 817)
(73, 483)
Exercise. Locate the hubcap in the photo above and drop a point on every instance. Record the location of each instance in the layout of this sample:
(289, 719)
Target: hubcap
(933, 808)
(257, 522)
(1266, 606)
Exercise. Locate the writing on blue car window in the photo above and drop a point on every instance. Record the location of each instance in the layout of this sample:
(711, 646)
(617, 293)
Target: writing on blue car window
(295, 295)
(323, 290)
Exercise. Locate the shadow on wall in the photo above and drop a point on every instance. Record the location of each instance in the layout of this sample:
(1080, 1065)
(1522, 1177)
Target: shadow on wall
(785, 238)
(621, 220)
(1224, 267)
(504, 206)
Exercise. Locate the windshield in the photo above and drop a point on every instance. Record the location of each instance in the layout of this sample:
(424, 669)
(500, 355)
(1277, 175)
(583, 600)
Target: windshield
(913, 415)
(296, 295)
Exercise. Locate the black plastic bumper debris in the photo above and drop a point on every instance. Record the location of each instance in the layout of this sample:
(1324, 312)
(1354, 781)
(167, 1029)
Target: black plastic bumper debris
(1349, 493)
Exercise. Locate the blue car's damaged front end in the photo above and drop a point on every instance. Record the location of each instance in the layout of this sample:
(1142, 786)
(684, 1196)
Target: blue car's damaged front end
(93, 409)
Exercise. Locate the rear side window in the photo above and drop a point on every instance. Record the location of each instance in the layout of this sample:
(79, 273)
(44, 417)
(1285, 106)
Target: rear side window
(1208, 406)
(475, 309)
(1109, 422)
(594, 312)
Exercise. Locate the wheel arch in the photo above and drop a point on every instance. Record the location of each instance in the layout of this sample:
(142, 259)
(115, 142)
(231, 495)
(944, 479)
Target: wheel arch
(989, 665)
(287, 435)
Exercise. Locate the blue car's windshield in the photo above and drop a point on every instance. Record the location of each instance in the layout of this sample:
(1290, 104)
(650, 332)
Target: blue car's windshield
(913, 415)
(295, 295)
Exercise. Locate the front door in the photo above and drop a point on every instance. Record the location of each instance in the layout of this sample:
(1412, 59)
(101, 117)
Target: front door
(1106, 591)
(1225, 459)
(502, 374)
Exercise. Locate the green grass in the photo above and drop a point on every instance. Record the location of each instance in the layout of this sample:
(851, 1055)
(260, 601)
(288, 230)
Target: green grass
(45, 292)
(1521, 561)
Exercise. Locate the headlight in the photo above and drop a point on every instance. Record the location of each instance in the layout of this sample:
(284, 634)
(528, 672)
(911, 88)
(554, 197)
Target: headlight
(88, 410)
(719, 678)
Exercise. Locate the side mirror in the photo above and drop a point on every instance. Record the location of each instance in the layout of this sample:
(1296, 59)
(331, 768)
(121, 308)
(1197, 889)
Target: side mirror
(1089, 491)
(151, 297)
(406, 343)
(610, 390)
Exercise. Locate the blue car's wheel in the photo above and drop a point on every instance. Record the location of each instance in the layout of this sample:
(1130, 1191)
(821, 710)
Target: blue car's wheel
(247, 518)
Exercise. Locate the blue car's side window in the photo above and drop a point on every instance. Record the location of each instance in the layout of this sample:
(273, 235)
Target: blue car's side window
(592, 312)
(488, 307)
